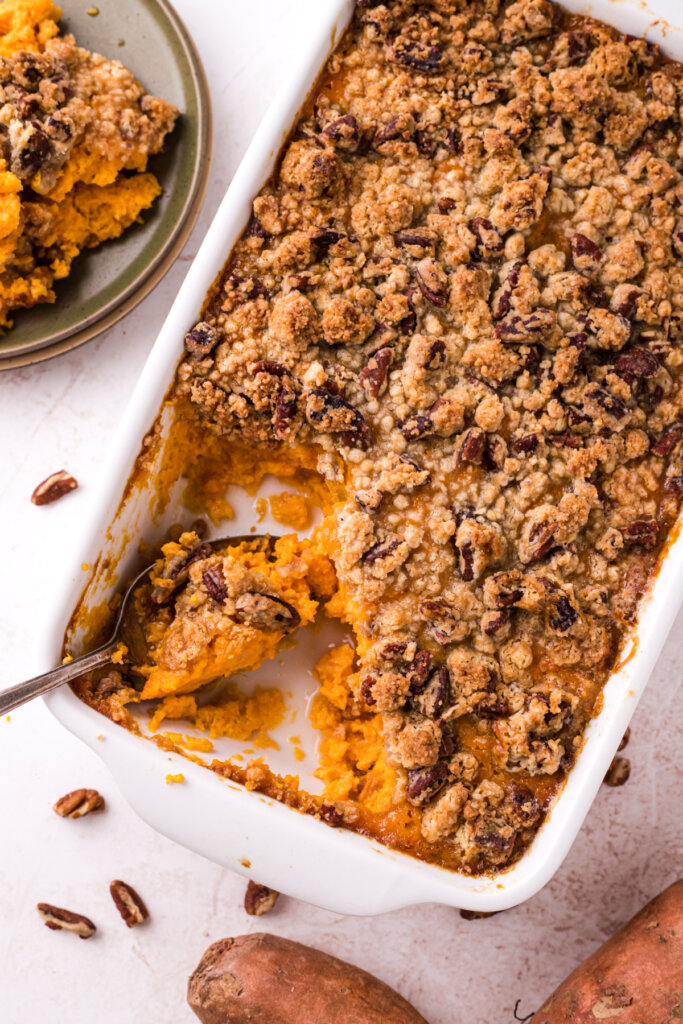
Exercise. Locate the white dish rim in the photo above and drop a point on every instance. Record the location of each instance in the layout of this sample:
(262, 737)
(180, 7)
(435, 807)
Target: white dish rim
(332, 868)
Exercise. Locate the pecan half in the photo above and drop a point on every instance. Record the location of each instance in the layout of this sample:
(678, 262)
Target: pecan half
(538, 535)
(472, 447)
(432, 281)
(426, 143)
(618, 772)
(442, 623)
(285, 411)
(330, 413)
(642, 532)
(414, 239)
(201, 340)
(259, 899)
(667, 440)
(266, 612)
(637, 362)
(53, 488)
(33, 152)
(578, 420)
(400, 127)
(501, 304)
(177, 572)
(489, 240)
(325, 238)
(564, 614)
(372, 377)
(432, 700)
(332, 815)
(78, 803)
(504, 589)
(525, 445)
(59, 919)
(270, 366)
(496, 624)
(525, 808)
(385, 556)
(606, 401)
(586, 255)
(343, 132)
(368, 500)
(418, 670)
(526, 329)
(625, 299)
(425, 783)
(495, 452)
(128, 903)
(417, 55)
(417, 426)
(214, 581)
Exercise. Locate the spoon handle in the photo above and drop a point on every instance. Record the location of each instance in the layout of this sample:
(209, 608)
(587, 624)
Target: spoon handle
(17, 695)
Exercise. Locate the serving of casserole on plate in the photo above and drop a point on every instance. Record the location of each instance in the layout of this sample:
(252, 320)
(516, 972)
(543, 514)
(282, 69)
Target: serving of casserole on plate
(446, 347)
(91, 156)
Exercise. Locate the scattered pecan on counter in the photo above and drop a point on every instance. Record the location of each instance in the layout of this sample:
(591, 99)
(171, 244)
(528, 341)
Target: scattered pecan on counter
(59, 919)
(53, 488)
(79, 803)
(128, 903)
(259, 899)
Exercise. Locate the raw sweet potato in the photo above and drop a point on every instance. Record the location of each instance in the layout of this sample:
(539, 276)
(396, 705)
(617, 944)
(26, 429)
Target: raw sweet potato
(636, 977)
(264, 979)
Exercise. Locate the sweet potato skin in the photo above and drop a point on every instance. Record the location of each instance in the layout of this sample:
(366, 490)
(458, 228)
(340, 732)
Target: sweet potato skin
(265, 979)
(636, 977)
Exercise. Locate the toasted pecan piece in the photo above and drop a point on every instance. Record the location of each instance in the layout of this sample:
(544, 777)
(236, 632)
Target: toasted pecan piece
(54, 487)
(78, 803)
(129, 904)
(59, 919)
(259, 899)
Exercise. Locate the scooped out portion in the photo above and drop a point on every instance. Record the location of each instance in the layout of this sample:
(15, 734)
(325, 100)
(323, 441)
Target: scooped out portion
(233, 608)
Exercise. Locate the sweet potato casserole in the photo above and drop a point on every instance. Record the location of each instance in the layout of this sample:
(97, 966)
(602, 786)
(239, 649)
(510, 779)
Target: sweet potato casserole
(76, 132)
(454, 322)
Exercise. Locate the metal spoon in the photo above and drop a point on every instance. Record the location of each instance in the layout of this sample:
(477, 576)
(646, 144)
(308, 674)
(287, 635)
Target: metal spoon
(125, 629)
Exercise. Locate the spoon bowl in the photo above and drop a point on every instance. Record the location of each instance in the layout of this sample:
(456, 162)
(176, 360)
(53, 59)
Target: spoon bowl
(126, 631)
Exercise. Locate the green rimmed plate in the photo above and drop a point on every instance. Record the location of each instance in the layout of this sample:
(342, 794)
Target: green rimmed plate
(107, 282)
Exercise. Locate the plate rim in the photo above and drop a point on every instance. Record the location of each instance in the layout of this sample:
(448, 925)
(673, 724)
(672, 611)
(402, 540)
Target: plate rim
(163, 260)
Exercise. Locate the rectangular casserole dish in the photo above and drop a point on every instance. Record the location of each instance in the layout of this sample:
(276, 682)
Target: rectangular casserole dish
(335, 869)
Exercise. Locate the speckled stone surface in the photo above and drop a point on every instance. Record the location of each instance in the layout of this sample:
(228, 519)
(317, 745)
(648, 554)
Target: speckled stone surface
(61, 414)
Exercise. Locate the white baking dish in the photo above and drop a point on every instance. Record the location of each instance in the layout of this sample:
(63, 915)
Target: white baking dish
(247, 832)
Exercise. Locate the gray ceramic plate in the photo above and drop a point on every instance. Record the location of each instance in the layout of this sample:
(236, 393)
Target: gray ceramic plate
(107, 282)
